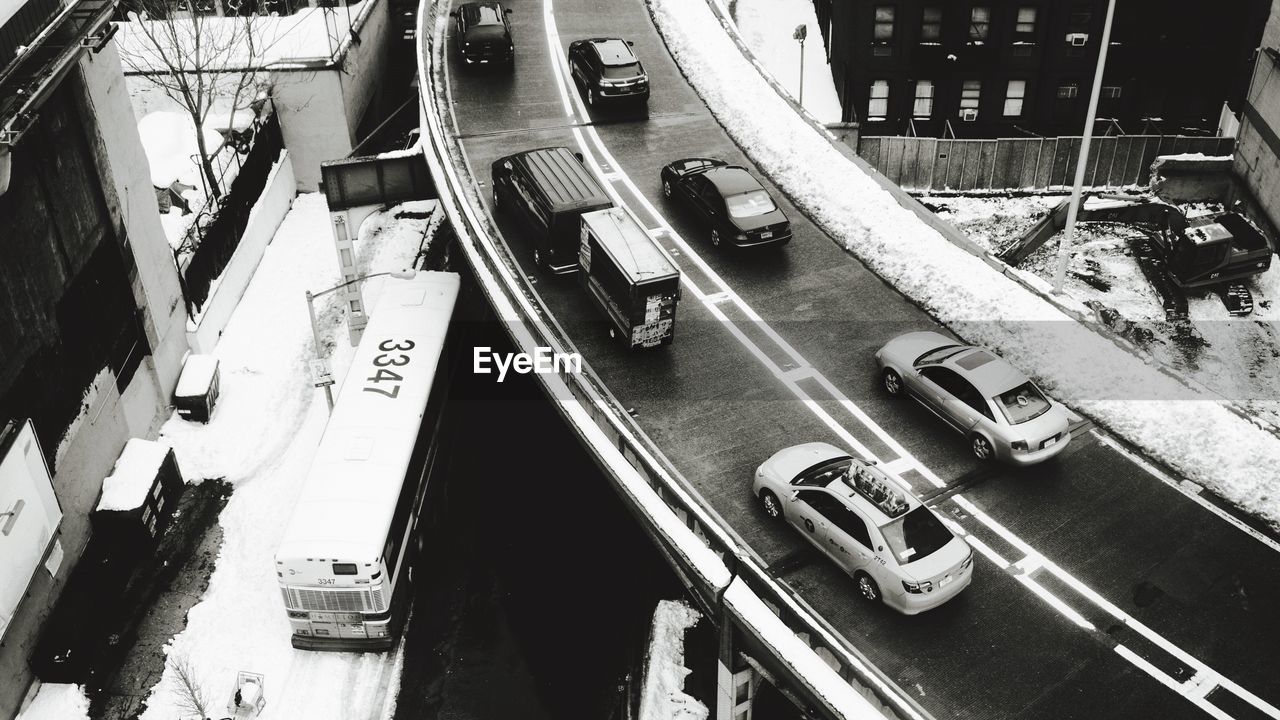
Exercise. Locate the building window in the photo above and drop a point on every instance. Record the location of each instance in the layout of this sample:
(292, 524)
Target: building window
(1110, 92)
(884, 23)
(979, 24)
(878, 106)
(1068, 90)
(931, 24)
(970, 92)
(1013, 95)
(923, 105)
(1026, 23)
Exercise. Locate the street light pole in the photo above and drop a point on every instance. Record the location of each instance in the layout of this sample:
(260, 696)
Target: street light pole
(801, 32)
(315, 327)
(315, 336)
(1064, 247)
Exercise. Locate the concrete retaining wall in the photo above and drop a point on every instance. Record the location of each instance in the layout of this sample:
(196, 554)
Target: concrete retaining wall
(266, 216)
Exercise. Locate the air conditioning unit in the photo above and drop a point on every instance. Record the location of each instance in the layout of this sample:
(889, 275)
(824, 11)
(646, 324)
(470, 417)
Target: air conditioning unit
(969, 114)
(1078, 39)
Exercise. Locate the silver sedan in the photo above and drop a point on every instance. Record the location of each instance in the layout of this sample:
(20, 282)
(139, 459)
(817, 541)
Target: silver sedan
(1002, 413)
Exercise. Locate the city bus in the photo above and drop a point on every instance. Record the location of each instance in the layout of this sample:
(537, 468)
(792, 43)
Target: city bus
(345, 563)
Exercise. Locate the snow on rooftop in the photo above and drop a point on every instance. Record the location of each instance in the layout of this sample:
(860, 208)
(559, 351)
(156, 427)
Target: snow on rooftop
(134, 474)
(1189, 430)
(197, 375)
(308, 34)
(57, 701)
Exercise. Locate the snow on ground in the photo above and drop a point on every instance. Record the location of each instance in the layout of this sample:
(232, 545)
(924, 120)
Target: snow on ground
(169, 140)
(1239, 358)
(56, 701)
(766, 27)
(1188, 430)
(663, 695)
(261, 438)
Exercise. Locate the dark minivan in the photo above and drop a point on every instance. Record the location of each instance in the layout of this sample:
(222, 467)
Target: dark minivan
(483, 35)
(548, 189)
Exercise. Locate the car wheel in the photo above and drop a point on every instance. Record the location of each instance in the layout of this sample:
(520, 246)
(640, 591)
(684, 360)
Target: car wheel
(771, 506)
(666, 188)
(892, 382)
(867, 587)
(981, 447)
(715, 238)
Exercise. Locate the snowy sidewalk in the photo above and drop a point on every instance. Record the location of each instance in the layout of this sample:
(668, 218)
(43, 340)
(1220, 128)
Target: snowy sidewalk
(261, 439)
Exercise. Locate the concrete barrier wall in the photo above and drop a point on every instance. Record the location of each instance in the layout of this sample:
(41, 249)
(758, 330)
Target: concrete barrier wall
(266, 216)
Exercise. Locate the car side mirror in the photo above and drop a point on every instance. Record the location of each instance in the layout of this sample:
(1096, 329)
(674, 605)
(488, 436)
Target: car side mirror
(506, 165)
(507, 11)
(453, 13)
(795, 495)
(579, 156)
(632, 44)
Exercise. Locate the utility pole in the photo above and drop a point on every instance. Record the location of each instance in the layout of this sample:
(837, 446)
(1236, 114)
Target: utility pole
(801, 32)
(1064, 247)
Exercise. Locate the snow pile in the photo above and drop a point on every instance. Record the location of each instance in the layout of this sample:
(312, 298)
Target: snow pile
(134, 474)
(56, 701)
(1191, 432)
(262, 440)
(169, 139)
(663, 696)
(766, 27)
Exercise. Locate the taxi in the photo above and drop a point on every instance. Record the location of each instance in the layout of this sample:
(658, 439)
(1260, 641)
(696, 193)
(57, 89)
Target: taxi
(897, 550)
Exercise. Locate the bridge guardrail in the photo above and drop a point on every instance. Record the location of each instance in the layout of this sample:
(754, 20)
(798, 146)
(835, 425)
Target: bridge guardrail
(724, 572)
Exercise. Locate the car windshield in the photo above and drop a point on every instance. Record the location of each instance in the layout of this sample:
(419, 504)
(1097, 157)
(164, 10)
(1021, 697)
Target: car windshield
(916, 535)
(614, 72)
(1022, 403)
(749, 204)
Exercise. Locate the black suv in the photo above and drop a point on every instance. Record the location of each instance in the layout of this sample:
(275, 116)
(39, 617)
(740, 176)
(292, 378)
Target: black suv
(606, 69)
(484, 38)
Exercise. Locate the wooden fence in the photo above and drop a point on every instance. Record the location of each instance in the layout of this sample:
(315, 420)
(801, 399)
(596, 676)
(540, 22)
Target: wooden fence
(1026, 163)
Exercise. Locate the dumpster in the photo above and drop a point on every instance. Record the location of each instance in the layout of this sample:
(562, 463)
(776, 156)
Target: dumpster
(629, 277)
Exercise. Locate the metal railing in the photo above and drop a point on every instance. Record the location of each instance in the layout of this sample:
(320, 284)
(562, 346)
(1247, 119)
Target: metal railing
(591, 410)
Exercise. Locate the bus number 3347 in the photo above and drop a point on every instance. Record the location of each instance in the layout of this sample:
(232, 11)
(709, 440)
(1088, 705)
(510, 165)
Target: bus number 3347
(386, 381)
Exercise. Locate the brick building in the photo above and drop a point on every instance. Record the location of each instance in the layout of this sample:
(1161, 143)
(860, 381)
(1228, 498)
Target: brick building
(1011, 68)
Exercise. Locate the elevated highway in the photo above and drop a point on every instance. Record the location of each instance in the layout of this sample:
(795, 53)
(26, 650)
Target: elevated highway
(1103, 588)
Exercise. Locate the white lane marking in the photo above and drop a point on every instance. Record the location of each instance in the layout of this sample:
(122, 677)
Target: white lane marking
(1170, 683)
(800, 373)
(899, 466)
(1187, 488)
(560, 65)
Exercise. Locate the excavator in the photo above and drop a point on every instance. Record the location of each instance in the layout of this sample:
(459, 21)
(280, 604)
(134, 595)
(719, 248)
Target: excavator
(1218, 251)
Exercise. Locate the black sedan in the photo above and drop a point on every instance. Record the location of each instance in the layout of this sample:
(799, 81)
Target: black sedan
(737, 208)
(484, 38)
(606, 69)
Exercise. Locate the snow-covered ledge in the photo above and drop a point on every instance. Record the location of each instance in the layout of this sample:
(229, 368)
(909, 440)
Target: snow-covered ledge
(1196, 433)
(719, 569)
